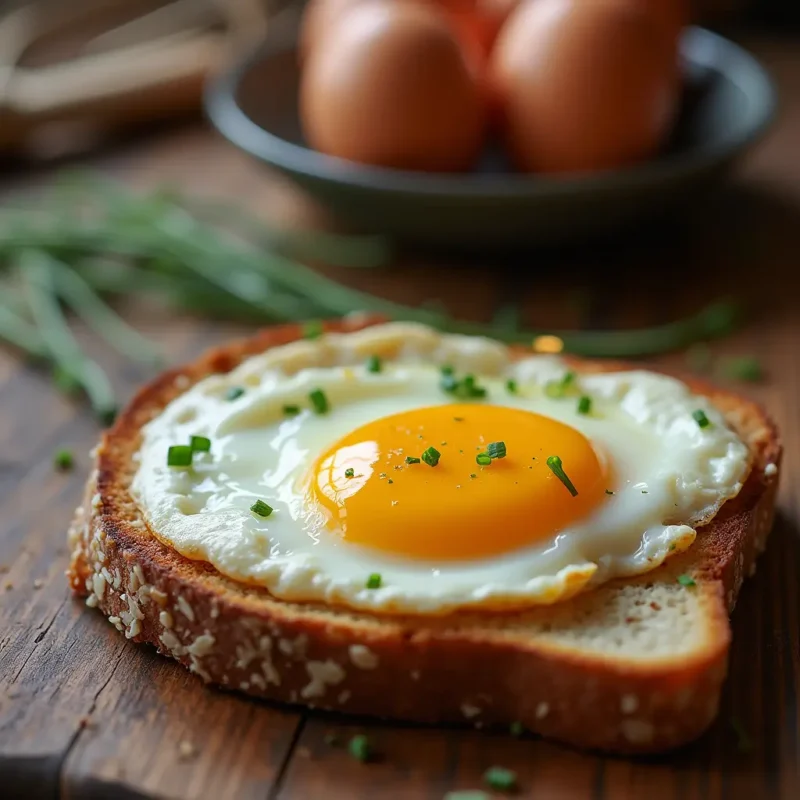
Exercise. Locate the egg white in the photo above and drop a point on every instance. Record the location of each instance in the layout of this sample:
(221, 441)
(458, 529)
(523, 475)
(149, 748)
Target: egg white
(670, 474)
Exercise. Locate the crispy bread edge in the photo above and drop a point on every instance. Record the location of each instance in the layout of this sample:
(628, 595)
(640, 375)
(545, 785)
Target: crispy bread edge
(430, 671)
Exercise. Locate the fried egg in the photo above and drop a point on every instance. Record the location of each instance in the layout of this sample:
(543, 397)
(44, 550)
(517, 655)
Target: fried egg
(401, 470)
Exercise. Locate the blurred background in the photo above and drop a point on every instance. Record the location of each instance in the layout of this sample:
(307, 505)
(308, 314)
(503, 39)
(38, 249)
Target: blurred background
(129, 226)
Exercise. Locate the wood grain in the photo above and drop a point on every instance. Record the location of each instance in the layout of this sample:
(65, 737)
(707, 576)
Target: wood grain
(84, 713)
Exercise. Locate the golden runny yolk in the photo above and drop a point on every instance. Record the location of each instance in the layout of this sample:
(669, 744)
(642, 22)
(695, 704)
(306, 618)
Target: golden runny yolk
(457, 509)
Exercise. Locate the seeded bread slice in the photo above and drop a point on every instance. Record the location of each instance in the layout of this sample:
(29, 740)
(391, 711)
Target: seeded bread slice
(634, 666)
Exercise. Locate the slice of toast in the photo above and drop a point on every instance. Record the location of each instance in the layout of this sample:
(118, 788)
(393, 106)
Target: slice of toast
(635, 665)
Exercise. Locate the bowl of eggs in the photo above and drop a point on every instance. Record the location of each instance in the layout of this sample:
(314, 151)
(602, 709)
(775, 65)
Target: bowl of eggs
(475, 123)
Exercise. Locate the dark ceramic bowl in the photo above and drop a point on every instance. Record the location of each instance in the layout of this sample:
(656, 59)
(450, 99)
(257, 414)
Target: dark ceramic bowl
(728, 101)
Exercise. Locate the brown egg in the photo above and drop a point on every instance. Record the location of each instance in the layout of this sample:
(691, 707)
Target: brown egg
(319, 18)
(393, 88)
(584, 85)
(672, 16)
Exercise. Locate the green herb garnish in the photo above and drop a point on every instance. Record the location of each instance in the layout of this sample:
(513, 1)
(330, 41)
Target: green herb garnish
(63, 459)
(608, 491)
(483, 459)
(172, 246)
(374, 364)
(319, 401)
(360, 748)
(349, 472)
(261, 508)
(412, 460)
(234, 393)
(374, 581)
(554, 462)
(473, 475)
(742, 368)
(584, 404)
(180, 455)
(312, 329)
(431, 456)
(560, 388)
(496, 450)
(500, 778)
(700, 418)
(686, 580)
(200, 444)
(511, 386)
(291, 411)
(465, 389)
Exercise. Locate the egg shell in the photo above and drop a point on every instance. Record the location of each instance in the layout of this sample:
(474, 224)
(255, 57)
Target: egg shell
(476, 29)
(584, 85)
(393, 88)
(672, 16)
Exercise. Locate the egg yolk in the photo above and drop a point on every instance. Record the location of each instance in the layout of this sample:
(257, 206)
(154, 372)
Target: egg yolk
(457, 509)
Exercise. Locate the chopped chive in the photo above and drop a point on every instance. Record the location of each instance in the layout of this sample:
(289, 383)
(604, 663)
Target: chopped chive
(473, 475)
(63, 459)
(180, 455)
(483, 460)
(390, 481)
(511, 386)
(412, 460)
(561, 387)
(554, 462)
(360, 748)
(312, 329)
(431, 456)
(467, 388)
(107, 416)
(496, 450)
(585, 404)
(458, 419)
(686, 580)
(65, 382)
(608, 491)
(319, 401)
(234, 393)
(374, 364)
(446, 369)
(200, 444)
(500, 778)
(261, 508)
(700, 418)
(291, 411)
(349, 472)
(374, 581)
(742, 368)
(516, 729)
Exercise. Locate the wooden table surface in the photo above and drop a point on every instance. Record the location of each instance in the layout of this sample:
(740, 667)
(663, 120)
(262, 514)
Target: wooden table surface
(85, 713)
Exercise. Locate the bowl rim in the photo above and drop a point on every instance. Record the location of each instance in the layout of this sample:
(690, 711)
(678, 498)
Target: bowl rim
(699, 47)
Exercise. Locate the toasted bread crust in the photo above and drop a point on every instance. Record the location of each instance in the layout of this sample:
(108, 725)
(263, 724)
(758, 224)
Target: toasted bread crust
(450, 669)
